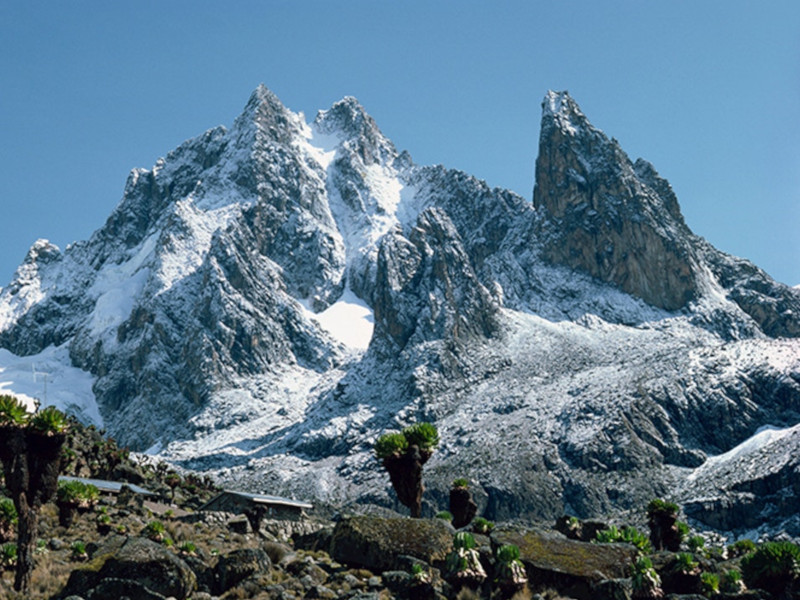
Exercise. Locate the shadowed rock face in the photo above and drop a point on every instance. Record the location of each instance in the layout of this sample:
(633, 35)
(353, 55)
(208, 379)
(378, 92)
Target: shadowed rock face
(616, 220)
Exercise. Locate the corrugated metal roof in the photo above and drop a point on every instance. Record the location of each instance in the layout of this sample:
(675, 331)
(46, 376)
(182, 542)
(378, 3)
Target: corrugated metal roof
(108, 486)
(264, 499)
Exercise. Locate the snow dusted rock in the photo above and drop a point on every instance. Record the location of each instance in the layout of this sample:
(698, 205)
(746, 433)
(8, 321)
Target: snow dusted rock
(616, 220)
(268, 299)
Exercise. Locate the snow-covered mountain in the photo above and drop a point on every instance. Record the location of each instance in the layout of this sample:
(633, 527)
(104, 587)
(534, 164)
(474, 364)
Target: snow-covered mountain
(269, 298)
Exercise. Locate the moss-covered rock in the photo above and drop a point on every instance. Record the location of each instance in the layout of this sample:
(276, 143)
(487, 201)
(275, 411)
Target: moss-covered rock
(574, 568)
(136, 559)
(377, 543)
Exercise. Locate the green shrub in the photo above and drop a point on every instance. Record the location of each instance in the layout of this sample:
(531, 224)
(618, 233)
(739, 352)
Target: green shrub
(12, 411)
(683, 529)
(444, 515)
(774, 566)
(696, 543)
(732, 582)
(509, 571)
(465, 540)
(709, 583)
(508, 554)
(187, 547)
(741, 547)
(390, 444)
(8, 555)
(644, 578)
(461, 482)
(49, 420)
(77, 493)
(684, 563)
(78, 551)
(633, 536)
(154, 530)
(627, 535)
(8, 512)
(608, 536)
(41, 547)
(481, 525)
(463, 564)
(423, 435)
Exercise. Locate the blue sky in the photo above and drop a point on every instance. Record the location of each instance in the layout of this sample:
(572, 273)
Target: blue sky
(709, 92)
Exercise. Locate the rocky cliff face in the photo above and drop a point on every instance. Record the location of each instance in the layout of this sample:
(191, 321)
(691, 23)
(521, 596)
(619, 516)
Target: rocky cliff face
(611, 218)
(269, 298)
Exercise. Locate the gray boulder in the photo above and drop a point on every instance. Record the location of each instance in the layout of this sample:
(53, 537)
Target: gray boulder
(144, 568)
(380, 544)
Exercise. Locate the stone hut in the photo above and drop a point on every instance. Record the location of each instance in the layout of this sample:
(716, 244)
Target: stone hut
(270, 507)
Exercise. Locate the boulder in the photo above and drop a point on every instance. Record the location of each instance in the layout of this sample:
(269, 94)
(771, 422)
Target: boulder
(378, 544)
(573, 568)
(153, 569)
(237, 565)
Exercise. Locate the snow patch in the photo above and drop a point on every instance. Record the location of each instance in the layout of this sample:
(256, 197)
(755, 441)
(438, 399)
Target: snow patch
(349, 321)
(50, 378)
(319, 146)
(761, 439)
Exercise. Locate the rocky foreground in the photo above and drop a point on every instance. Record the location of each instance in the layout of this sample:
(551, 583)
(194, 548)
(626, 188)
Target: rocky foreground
(125, 549)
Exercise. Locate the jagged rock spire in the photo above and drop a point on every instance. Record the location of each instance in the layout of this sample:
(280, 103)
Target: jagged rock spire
(606, 217)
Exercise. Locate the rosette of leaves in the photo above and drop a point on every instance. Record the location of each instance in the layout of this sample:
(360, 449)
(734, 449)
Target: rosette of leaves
(626, 535)
(8, 555)
(509, 572)
(741, 548)
(103, 523)
(482, 526)
(709, 583)
(645, 581)
(12, 412)
(463, 565)
(155, 531)
(78, 551)
(773, 566)
(403, 455)
(49, 421)
(731, 582)
(685, 563)
(187, 548)
(74, 495)
(696, 543)
(8, 519)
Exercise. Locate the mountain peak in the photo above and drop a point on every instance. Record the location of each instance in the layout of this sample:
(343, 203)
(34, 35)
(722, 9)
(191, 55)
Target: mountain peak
(561, 110)
(352, 123)
(617, 221)
(271, 118)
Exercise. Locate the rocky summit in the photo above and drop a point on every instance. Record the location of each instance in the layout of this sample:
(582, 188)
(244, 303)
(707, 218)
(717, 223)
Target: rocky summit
(269, 298)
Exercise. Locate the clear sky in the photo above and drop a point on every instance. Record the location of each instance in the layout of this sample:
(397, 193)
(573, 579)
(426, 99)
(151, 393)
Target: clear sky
(708, 91)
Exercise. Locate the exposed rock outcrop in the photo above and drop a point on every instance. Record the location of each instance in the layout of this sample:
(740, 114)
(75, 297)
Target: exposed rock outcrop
(612, 218)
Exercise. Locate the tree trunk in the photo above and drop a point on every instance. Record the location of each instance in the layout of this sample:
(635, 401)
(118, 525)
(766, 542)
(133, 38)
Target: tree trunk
(26, 543)
(405, 473)
(31, 463)
(462, 507)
